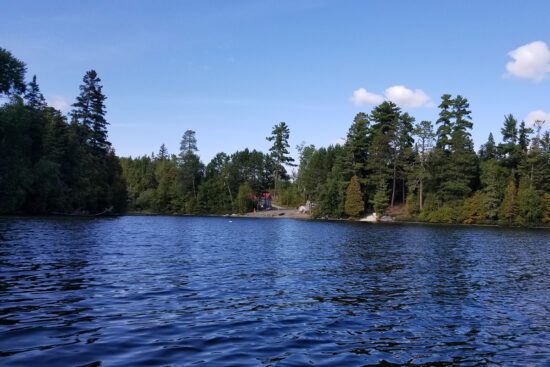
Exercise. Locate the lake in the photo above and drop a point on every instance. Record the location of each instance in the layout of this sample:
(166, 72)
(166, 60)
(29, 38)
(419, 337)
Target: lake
(142, 291)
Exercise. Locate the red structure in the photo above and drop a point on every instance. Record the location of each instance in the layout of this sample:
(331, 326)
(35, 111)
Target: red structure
(262, 203)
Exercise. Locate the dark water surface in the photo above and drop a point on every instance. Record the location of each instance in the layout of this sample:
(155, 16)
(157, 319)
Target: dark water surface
(142, 291)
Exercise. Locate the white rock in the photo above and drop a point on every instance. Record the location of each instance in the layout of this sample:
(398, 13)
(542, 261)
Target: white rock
(370, 218)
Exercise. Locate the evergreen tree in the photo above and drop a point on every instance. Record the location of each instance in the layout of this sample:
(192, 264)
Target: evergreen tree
(354, 203)
(188, 143)
(33, 96)
(488, 150)
(459, 159)
(425, 134)
(523, 136)
(493, 178)
(357, 146)
(508, 210)
(385, 123)
(89, 111)
(12, 74)
(163, 153)
(191, 166)
(279, 151)
(380, 199)
(445, 127)
(509, 150)
(531, 205)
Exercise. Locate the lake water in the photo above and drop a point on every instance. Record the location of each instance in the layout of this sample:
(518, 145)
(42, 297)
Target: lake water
(142, 291)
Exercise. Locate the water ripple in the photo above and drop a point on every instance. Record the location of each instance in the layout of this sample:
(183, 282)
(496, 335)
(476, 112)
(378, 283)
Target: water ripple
(147, 291)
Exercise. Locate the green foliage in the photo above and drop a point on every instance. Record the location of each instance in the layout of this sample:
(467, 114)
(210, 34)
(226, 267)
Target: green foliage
(380, 201)
(546, 217)
(279, 152)
(290, 196)
(493, 178)
(53, 166)
(474, 209)
(508, 211)
(413, 203)
(244, 202)
(354, 204)
(457, 179)
(531, 204)
(444, 214)
(332, 196)
(12, 74)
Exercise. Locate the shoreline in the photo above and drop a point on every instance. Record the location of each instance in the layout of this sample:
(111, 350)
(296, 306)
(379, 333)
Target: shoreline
(278, 214)
(307, 217)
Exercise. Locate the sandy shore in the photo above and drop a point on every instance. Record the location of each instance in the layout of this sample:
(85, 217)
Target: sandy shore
(278, 213)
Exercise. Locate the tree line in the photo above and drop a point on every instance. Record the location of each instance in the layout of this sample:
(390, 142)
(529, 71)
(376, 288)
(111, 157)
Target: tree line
(389, 163)
(182, 184)
(431, 173)
(51, 163)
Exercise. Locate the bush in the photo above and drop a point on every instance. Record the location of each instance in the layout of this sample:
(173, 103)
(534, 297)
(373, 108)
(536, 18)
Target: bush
(354, 204)
(443, 215)
(244, 203)
(474, 209)
(146, 200)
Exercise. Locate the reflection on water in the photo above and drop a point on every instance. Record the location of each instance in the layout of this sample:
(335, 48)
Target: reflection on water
(177, 291)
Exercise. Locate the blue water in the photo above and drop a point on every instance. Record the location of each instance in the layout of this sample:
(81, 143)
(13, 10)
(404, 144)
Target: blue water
(143, 291)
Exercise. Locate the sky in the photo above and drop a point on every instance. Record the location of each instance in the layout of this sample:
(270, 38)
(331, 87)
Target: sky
(231, 70)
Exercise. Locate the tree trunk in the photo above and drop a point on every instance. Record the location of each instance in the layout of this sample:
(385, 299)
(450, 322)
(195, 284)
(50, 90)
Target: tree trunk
(404, 192)
(393, 187)
(421, 193)
(230, 196)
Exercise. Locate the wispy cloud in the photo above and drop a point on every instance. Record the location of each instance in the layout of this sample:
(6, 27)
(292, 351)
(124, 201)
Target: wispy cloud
(339, 141)
(398, 94)
(531, 61)
(537, 115)
(59, 103)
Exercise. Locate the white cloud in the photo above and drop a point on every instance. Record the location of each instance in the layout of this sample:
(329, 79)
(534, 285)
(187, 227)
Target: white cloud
(339, 141)
(531, 61)
(405, 97)
(362, 97)
(537, 115)
(59, 103)
(398, 94)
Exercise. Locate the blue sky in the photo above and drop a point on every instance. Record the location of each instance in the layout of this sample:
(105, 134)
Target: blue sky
(230, 70)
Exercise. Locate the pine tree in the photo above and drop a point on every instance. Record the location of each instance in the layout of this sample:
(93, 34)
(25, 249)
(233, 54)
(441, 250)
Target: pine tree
(509, 150)
(357, 146)
(380, 200)
(190, 164)
(508, 210)
(459, 159)
(523, 136)
(12, 74)
(354, 203)
(424, 132)
(188, 143)
(163, 153)
(279, 151)
(385, 124)
(546, 217)
(35, 99)
(493, 177)
(488, 150)
(89, 111)
(531, 205)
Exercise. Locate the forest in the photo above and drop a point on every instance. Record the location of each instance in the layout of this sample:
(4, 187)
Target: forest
(389, 163)
(51, 163)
